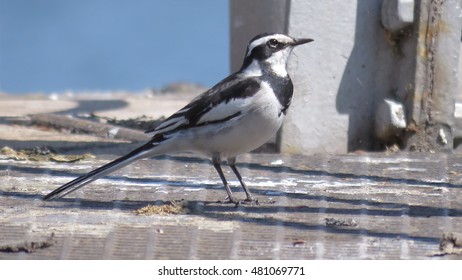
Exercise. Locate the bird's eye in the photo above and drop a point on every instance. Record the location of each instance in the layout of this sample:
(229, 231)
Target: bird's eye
(273, 43)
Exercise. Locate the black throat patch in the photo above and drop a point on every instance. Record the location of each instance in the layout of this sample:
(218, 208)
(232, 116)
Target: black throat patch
(282, 88)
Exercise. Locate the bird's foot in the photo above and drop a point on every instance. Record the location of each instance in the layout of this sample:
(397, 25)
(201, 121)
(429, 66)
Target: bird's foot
(229, 200)
(250, 201)
(247, 201)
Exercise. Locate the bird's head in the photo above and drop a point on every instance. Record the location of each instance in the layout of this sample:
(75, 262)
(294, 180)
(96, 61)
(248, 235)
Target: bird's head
(269, 52)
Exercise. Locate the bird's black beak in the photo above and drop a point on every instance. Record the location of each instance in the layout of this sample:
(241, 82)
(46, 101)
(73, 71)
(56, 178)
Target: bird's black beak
(301, 41)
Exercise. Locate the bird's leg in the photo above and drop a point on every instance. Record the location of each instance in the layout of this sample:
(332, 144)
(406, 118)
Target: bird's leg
(232, 164)
(216, 160)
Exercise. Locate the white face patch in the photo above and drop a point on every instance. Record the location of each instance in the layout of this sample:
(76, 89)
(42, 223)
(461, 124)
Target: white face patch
(276, 62)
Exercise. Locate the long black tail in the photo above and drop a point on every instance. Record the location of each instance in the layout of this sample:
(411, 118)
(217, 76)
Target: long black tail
(102, 171)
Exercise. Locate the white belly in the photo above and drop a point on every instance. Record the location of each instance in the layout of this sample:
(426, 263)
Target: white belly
(247, 134)
(259, 121)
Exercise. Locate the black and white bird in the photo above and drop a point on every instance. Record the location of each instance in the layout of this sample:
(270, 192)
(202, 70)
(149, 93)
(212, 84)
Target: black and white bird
(236, 116)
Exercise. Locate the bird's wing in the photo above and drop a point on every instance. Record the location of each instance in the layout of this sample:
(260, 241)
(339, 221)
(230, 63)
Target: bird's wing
(222, 102)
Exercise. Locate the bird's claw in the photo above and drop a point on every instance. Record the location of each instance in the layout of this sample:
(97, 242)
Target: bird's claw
(247, 201)
(250, 200)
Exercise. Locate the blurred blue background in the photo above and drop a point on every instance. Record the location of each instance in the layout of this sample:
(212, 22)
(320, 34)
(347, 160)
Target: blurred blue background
(59, 45)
